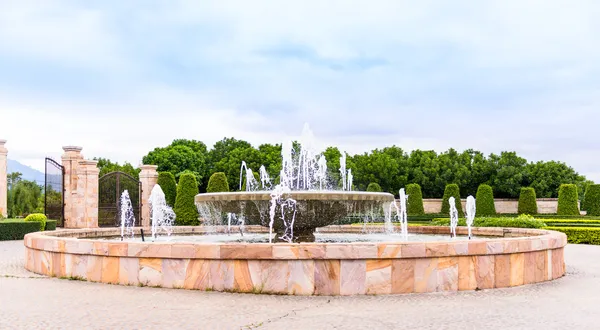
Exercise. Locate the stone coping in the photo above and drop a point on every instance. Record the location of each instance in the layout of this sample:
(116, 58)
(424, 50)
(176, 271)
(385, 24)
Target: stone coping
(297, 195)
(508, 241)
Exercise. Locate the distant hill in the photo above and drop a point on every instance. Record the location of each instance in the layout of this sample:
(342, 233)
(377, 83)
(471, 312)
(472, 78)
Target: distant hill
(28, 172)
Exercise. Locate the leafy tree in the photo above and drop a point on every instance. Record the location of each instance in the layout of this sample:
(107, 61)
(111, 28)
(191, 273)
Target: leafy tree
(181, 155)
(374, 187)
(527, 201)
(13, 178)
(217, 183)
(484, 201)
(107, 166)
(452, 190)
(166, 181)
(415, 200)
(23, 198)
(592, 197)
(186, 213)
(567, 200)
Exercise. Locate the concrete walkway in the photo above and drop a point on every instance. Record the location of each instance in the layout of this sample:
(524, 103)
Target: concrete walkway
(28, 301)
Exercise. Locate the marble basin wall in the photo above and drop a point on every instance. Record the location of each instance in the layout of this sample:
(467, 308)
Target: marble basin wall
(516, 257)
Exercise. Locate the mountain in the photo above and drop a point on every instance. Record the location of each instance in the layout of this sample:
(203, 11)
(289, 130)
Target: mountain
(28, 172)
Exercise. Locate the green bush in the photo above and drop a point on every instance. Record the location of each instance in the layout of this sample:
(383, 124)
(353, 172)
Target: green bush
(37, 217)
(452, 190)
(17, 229)
(186, 213)
(415, 200)
(522, 221)
(218, 183)
(374, 187)
(592, 200)
(484, 201)
(50, 225)
(584, 199)
(579, 235)
(527, 201)
(567, 200)
(166, 181)
(256, 178)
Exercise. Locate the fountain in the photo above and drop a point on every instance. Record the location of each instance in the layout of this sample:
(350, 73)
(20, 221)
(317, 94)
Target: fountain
(453, 216)
(470, 213)
(127, 216)
(162, 216)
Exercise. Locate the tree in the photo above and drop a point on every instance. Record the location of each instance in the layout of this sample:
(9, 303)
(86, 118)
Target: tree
(107, 166)
(567, 200)
(166, 181)
(484, 201)
(186, 213)
(23, 198)
(217, 183)
(13, 178)
(592, 197)
(181, 155)
(374, 187)
(415, 200)
(452, 190)
(546, 178)
(527, 201)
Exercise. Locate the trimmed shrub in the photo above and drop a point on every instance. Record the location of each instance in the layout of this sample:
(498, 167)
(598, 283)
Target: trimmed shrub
(484, 201)
(592, 198)
(186, 213)
(218, 183)
(415, 200)
(17, 229)
(527, 201)
(584, 199)
(452, 190)
(37, 217)
(166, 181)
(50, 225)
(522, 221)
(579, 235)
(256, 178)
(374, 187)
(567, 200)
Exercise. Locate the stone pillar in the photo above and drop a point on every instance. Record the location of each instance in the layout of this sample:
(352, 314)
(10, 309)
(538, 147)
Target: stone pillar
(148, 179)
(80, 189)
(3, 181)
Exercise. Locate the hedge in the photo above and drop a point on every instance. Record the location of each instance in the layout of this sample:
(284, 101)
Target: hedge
(452, 190)
(527, 201)
(484, 201)
(567, 200)
(17, 229)
(186, 213)
(217, 183)
(519, 222)
(166, 181)
(592, 200)
(374, 187)
(50, 225)
(579, 235)
(415, 200)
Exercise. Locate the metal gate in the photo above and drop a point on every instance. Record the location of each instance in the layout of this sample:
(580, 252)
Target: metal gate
(111, 186)
(54, 206)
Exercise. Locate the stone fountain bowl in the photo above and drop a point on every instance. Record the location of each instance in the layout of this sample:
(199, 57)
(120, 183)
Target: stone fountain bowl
(313, 208)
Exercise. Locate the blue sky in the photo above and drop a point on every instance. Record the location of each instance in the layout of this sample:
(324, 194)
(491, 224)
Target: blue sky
(121, 77)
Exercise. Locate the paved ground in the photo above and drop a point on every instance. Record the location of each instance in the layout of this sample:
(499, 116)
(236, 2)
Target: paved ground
(28, 301)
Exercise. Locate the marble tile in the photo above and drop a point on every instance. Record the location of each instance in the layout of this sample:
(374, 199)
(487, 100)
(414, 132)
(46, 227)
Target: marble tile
(79, 268)
(246, 251)
(352, 277)
(68, 264)
(484, 272)
(557, 263)
(197, 275)
(378, 278)
(183, 251)
(436, 249)
(517, 267)
(79, 247)
(447, 274)
(205, 251)
(299, 251)
(110, 270)
(117, 249)
(458, 248)
(301, 279)
(495, 247)
(150, 273)
(58, 264)
(222, 274)
(389, 250)
(540, 266)
(413, 250)
(327, 277)
(351, 251)
(403, 275)
(129, 271)
(467, 280)
(46, 263)
(174, 272)
(100, 248)
(242, 279)
(426, 277)
(529, 268)
(137, 249)
(94, 268)
(274, 276)
(502, 271)
(548, 275)
(477, 248)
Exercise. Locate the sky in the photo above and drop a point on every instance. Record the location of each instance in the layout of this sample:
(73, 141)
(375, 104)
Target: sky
(120, 78)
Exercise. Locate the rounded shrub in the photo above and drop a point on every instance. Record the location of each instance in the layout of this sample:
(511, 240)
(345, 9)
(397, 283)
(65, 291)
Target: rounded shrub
(592, 197)
(217, 183)
(452, 190)
(374, 187)
(166, 181)
(186, 213)
(567, 200)
(527, 201)
(415, 199)
(484, 201)
(38, 217)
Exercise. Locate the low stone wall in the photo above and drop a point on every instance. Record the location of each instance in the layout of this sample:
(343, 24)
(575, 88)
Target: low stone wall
(503, 206)
(305, 268)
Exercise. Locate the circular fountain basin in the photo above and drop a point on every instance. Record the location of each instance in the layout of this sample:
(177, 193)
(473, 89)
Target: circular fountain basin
(314, 209)
(506, 257)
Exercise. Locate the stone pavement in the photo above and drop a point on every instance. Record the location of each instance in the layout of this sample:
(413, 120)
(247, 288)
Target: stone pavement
(28, 301)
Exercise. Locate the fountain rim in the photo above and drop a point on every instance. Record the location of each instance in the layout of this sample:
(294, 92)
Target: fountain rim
(298, 195)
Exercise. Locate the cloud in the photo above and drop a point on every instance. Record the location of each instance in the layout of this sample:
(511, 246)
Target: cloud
(120, 78)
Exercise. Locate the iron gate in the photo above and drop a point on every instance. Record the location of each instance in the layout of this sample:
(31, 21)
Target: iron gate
(111, 186)
(54, 206)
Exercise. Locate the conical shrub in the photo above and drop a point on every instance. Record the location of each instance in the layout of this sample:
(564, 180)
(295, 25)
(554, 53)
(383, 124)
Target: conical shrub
(217, 183)
(592, 197)
(185, 208)
(484, 201)
(452, 190)
(166, 181)
(374, 187)
(567, 200)
(415, 199)
(527, 201)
